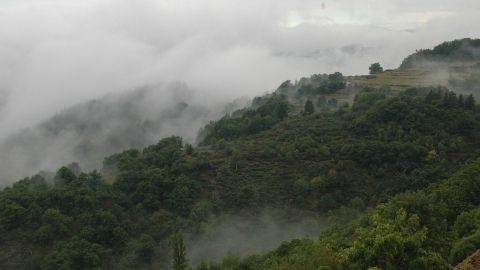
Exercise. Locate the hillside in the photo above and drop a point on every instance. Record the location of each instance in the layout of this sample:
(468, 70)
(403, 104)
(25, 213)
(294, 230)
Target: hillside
(387, 173)
(454, 64)
(88, 132)
(472, 262)
(461, 52)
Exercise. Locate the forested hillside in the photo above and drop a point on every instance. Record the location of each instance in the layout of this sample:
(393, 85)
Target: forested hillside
(463, 51)
(89, 131)
(453, 64)
(393, 174)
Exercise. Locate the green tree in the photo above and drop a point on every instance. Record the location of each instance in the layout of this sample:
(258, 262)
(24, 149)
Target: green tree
(74, 254)
(396, 243)
(188, 149)
(145, 248)
(64, 176)
(336, 81)
(461, 102)
(281, 110)
(308, 108)
(470, 102)
(179, 261)
(375, 68)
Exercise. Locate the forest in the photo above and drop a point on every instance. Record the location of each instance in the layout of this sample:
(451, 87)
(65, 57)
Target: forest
(396, 174)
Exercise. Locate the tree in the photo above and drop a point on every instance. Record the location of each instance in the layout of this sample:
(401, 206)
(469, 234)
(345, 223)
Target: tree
(309, 109)
(76, 253)
(281, 110)
(392, 243)
(450, 99)
(188, 149)
(145, 248)
(461, 102)
(336, 81)
(470, 102)
(64, 176)
(375, 68)
(179, 261)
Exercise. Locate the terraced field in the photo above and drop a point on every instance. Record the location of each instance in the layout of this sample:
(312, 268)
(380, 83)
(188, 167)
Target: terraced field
(402, 79)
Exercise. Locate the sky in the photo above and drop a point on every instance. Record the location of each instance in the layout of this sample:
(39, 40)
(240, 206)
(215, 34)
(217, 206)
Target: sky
(56, 53)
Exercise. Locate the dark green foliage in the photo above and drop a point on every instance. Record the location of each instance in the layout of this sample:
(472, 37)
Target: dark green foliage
(167, 153)
(367, 98)
(322, 84)
(457, 50)
(188, 149)
(145, 248)
(338, 163)
(268, 113)
(75, 253)
(309, 108)
(375, 68)
(465, 247)
(467, 223)
(336, 81)
(64, 176)
(412, 231)
(179, 261)
(470, 102)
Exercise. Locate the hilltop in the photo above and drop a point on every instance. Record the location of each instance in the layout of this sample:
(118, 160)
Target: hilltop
(453, 64)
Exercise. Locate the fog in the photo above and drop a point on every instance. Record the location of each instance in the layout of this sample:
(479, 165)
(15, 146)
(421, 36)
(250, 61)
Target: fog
(55, 54)
(243, 235)
(90, 131)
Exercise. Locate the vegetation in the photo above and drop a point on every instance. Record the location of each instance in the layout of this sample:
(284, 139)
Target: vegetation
(461, 50)
(396, 174)
(179, 261)
(322, 84)
(375, 68)
(309, 108)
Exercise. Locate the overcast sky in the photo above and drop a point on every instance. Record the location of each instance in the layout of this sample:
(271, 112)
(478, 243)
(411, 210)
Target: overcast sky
(54, 53)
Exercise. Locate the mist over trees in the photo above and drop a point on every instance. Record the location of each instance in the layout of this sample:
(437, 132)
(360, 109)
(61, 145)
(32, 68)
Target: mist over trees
(462, 50)
(325, 172)
(88, 132)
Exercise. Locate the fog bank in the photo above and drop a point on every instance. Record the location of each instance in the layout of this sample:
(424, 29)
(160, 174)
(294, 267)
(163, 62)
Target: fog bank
(56, 53)
(88, 132)
(243, 235)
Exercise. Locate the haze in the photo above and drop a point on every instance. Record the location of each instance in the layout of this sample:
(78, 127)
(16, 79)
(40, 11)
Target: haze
(57, 53)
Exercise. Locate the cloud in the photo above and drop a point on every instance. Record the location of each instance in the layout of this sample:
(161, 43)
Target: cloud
(56, 53)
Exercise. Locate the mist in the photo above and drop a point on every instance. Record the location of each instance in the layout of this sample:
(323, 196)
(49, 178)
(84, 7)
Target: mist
(243, 235)
(59, 53)
(56, 54)
(88, 132)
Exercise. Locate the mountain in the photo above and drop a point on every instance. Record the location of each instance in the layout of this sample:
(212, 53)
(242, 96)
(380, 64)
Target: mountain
(350, 174)
(453, 64)
(458, 52)
(88, 132)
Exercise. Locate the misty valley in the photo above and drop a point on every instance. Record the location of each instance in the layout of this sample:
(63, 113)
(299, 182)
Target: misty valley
(110, 160)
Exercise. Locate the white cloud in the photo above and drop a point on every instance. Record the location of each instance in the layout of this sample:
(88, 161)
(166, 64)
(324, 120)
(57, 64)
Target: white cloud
(55, 53)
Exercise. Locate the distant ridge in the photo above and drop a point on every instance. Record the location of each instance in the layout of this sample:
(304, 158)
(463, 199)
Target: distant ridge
(460, 50)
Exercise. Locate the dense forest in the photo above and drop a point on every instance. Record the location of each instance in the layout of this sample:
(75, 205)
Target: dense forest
(394, 173)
